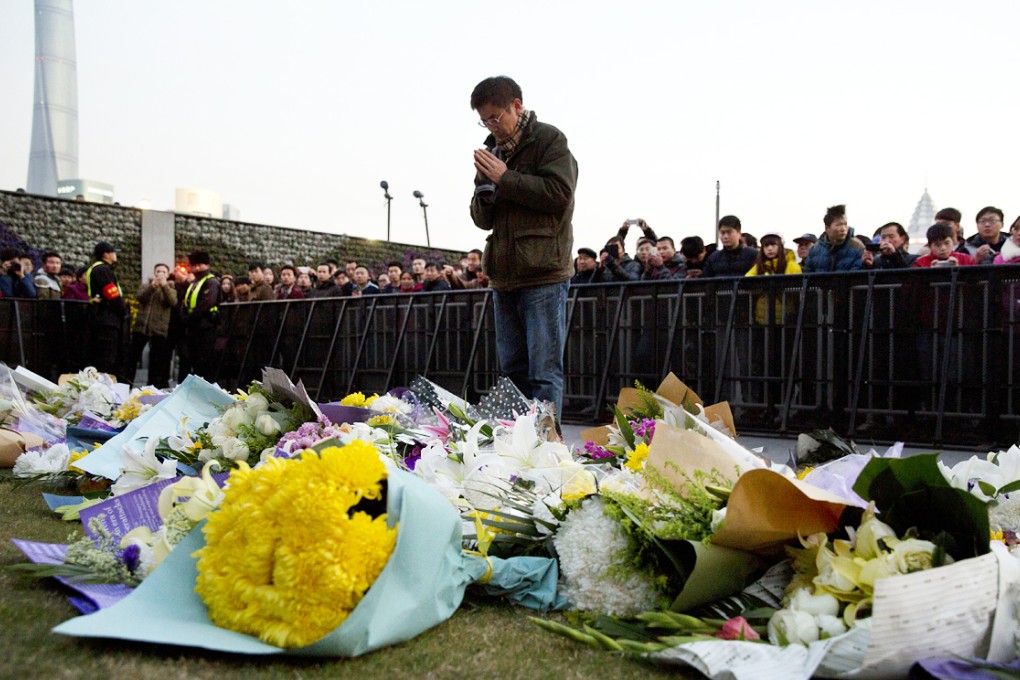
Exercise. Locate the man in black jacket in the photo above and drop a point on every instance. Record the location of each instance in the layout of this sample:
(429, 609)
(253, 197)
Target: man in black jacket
(524, 195)
(107, 311)
(734, 259)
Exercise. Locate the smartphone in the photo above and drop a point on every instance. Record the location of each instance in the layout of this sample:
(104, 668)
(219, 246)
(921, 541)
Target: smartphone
(633, 221)
(614, 251)
(874, 247)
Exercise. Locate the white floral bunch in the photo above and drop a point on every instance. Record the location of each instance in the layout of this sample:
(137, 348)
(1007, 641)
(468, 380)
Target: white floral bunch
(89, 390)
(595, 556)
(36, 462)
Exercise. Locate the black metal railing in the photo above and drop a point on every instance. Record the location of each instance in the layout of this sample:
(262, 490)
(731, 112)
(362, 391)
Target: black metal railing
(926, 356)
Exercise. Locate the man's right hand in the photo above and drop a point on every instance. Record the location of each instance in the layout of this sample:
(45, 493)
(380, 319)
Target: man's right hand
(868, 258)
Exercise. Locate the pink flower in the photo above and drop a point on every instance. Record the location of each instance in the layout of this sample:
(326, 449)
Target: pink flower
(737, 629)
(442, 431)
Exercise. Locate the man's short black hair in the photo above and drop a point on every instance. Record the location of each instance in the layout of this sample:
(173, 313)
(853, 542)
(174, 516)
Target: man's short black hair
(899, 229)
(643, 240)
(48, 254)
(9, 254)
(476, 251)
(255, 265)
(667, 238)
(692, 246)
(433, 265)
(832, 213)
(242, 281)
(989, 210)
(395, 263)
(498, 91)
(750, 241)
(949, 215)
(731, 221)
(290, 267)
(939, 232)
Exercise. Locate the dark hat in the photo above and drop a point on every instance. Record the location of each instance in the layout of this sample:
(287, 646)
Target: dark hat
(199, 257)
(102, 248)
(806, 238)
(589, 252)
(66, 270)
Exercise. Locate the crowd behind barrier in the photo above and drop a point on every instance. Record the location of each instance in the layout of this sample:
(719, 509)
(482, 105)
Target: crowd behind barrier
(928, 356)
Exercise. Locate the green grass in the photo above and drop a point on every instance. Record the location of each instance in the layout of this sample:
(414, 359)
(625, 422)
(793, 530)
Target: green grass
(485, 639)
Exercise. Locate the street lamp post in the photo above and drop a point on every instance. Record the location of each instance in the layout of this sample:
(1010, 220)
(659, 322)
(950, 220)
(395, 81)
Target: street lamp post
(425, 213)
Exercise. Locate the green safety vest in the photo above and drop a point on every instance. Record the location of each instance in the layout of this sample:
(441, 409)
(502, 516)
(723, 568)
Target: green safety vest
(88, 280)
(191, 296)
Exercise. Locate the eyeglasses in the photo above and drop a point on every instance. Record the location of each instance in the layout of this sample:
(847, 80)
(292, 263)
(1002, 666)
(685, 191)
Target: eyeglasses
(990, 220)
(492, 122)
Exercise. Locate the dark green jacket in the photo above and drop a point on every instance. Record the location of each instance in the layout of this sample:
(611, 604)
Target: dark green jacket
(532, 238)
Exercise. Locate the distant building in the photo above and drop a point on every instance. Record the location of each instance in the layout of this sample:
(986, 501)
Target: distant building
(54, 152)
(924, 217)
(91, 190)
(198, 202)
(231, 212)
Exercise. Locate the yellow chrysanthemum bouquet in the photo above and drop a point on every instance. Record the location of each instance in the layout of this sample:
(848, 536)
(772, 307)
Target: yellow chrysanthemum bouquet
(332, 553)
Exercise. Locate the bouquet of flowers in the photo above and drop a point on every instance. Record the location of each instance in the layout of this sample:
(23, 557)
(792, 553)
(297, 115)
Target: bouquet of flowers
(247, 430)
(313, 556)
(89, 391)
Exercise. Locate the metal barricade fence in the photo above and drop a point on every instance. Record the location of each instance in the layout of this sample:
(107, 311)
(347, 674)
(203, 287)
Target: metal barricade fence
(927, 356)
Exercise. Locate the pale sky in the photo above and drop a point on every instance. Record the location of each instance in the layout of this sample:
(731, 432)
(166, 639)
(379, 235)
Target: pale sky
(295, 111)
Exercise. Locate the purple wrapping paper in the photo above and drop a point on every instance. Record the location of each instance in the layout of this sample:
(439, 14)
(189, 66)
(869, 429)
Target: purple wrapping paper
(93, 595)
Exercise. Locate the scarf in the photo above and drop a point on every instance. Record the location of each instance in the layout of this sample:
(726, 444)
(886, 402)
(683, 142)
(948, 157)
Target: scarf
(507, 147)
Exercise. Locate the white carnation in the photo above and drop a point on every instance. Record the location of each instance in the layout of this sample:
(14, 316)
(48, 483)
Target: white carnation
(50, 461)
(593, 551)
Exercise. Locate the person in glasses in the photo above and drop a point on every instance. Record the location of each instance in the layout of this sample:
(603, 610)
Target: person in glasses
(987, 242)
(525, 178)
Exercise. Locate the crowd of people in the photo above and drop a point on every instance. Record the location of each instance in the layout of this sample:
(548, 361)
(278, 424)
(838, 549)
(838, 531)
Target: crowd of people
(836, 248)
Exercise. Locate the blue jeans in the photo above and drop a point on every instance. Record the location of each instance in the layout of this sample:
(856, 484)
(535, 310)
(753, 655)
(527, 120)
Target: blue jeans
(531, 331)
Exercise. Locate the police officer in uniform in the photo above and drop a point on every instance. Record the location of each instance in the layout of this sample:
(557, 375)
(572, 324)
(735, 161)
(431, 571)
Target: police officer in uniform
(201, 313)
(107, 309)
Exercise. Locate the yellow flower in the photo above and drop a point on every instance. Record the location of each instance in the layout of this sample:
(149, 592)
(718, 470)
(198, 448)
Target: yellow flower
(75, 457)
(998, 536)
(581, 485)
(805, 472)
(358, 400)
(380, 421)
(285, 557)
(636, 458)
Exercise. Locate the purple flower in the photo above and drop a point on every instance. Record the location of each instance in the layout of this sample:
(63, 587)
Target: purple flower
(593, 450)
(644, 428)
(129, 556)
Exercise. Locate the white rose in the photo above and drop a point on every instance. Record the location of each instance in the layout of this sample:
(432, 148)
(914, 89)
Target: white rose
(913, 554)
(870, 533)
(235, 449)
(267, 425)
(816, 605)
(235, 417)
(830, 626)
(789, 626)
(256, 404)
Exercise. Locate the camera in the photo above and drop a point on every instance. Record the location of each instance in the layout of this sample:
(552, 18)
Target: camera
(14, 267)
(614, 251)
(874, 247)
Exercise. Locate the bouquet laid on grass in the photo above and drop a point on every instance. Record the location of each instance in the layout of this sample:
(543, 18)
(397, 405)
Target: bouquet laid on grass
(87, 392)
(335, 552)
(863, 595)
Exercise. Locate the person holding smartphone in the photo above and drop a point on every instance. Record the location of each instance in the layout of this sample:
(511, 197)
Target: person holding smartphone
(891, 250)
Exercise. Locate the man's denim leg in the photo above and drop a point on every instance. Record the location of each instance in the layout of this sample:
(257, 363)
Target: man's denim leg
(531, 331)
(511, 338)
(545, 315)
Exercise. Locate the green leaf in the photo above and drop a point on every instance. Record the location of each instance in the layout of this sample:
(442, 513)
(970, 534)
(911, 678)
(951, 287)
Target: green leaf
(624, 425)
(1009, 488)
(986, 488)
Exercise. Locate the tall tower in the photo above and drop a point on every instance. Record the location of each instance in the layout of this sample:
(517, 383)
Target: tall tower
(54, 154)
(924, 217)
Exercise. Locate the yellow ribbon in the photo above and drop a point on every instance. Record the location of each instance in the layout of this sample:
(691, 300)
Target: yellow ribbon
(485, 537)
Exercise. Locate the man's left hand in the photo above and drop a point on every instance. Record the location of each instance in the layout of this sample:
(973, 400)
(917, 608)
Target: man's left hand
(490, 166)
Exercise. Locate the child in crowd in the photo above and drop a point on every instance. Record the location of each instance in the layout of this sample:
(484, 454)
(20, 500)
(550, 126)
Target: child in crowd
(1010, 253)
(941, 244)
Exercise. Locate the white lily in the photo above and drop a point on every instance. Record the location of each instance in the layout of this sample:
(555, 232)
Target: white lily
(142, 469)
(203, 495)
(525, 446)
